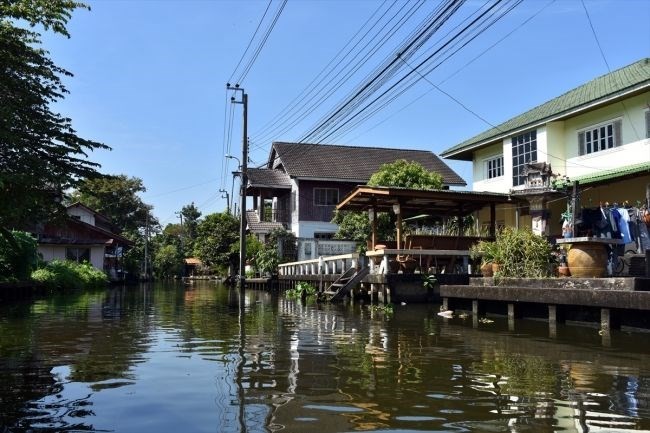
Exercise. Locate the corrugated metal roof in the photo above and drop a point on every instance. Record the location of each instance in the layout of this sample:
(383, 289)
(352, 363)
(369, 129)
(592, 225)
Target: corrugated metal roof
(601, 176)
(630, 78)
(351, 163)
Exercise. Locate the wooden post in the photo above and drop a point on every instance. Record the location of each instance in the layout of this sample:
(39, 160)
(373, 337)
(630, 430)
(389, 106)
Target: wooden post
(399, 228)
(552, 321)
(373, 220)
(511, 317)
(493, 219)
(574, 207)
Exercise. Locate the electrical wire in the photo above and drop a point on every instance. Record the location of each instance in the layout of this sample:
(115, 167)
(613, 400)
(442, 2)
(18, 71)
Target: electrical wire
(252, 60)
(323, 90)
(323, 131)
(250, 41)
(602, 53)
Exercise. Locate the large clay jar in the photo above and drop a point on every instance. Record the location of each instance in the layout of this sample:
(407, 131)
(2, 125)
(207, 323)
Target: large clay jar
(587, 260)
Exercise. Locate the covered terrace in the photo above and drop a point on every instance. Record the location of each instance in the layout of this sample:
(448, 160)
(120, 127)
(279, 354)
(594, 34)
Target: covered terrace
(406, 203)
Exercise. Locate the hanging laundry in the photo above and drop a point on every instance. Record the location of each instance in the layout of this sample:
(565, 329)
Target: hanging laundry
(624, 218)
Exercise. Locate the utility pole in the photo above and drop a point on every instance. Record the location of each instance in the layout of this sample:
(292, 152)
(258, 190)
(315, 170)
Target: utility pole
(244, 180)
(227, 199)
(180, 215)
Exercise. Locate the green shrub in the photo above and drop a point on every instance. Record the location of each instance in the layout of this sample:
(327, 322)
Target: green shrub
(301, 287)
(267, 260)
(17, 256)
(65, 274)
(519, 253)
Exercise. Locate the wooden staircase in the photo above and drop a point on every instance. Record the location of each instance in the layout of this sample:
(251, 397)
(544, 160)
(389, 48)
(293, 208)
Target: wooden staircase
(342, 286)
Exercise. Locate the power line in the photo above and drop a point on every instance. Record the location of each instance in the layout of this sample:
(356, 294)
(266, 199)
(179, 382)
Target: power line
(324, 131)
(602, 53)
(250, 41)
(252, 60)
(304, 105)
(593, 31)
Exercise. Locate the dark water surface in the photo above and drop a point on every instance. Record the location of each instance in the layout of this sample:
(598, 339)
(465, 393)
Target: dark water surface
(169, 358)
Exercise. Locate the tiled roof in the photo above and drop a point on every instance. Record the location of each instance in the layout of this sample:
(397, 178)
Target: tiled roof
(257, 226)
(350, 163)
(268, 178)
(630, 78)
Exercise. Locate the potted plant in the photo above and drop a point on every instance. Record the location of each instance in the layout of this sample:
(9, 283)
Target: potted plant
(488, 253)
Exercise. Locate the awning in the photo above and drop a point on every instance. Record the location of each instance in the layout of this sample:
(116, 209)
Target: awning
(416, 202)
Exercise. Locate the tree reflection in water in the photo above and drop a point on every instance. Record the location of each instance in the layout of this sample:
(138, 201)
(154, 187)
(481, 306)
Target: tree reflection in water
(200, 358)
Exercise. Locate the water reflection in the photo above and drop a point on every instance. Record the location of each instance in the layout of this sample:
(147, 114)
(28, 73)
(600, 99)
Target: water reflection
(200, 358)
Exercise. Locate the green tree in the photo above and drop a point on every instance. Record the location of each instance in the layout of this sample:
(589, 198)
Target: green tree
(191, 215)
(168, 261)
(41, 155)
(17, 257)
(402, 174)
(355, 226)
(116, 197)
(217, 240)
(406, 174)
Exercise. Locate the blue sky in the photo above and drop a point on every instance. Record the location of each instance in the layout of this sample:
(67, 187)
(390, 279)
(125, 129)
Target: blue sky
(150, 80)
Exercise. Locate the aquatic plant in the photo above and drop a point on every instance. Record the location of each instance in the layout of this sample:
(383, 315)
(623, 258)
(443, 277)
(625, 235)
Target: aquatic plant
(301, 290)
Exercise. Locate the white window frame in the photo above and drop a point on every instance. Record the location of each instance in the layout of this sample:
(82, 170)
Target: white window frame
(523, 156)
(590, 139)
(490, 167)
(326, 192)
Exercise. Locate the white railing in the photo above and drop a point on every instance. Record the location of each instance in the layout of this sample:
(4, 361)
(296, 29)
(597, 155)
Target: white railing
(321, 266)
(384, 261)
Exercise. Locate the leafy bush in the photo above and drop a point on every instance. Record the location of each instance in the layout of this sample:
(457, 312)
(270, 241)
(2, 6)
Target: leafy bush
(65, 274)
(267, 260)
(18, 256)
(519, 253)
(301, 287)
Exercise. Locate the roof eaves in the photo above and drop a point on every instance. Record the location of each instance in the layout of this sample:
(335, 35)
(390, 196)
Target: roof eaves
(463, 148)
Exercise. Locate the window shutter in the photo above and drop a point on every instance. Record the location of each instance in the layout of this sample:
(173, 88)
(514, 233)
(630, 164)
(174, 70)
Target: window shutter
(647, 124)
(617, 133)
(581, 143)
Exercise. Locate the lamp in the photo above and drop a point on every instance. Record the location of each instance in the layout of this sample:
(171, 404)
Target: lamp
(396, 209)
(234, 157)
(371, 215)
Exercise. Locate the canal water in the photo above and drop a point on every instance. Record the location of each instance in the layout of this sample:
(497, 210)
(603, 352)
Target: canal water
(173, 358)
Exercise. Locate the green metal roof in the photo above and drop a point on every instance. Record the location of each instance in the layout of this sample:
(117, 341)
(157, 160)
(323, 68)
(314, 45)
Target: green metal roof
(620, 82)
(601, 176)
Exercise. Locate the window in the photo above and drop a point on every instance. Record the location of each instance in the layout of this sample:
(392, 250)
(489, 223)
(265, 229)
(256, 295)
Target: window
(647, 124)
(524, 151)
(77, 254)
(600, 137)
(325, 236)
(326, 196)
(494, 167)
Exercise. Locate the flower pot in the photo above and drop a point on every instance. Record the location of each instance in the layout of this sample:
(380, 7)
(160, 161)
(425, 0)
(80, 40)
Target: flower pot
(563, 271)
(486, 269)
